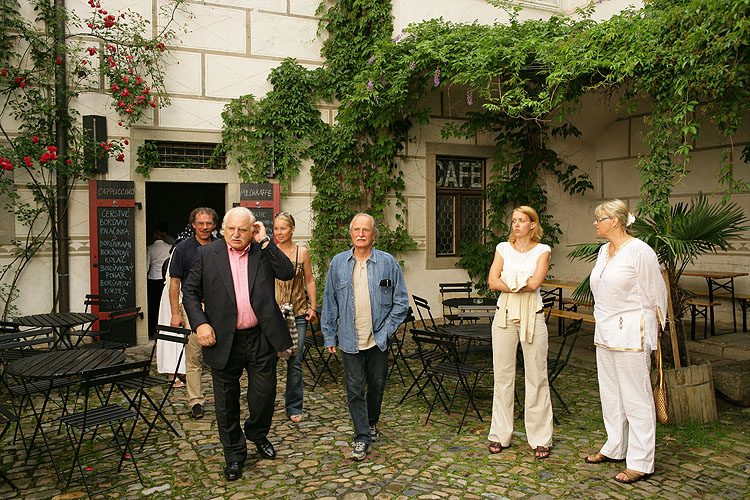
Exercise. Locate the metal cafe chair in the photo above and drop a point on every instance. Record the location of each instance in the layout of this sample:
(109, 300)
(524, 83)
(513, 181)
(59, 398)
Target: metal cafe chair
(7, 417)
(450, 317)
(313, 346)
(558, 364)
(396, 347)
(17, 345)
(423, 309)
(448, 367)
(164, 333)
(99, 414)
(118, 323)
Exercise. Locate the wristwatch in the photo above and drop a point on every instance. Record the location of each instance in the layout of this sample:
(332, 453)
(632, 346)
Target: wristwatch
(267, 238)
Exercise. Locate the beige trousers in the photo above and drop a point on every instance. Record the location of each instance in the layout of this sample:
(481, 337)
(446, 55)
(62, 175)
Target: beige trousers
(627, 407)
(538, 406)
(193, 365)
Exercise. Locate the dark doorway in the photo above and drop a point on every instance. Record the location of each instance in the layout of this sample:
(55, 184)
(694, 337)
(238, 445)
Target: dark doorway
(168, 207)
(170, 203)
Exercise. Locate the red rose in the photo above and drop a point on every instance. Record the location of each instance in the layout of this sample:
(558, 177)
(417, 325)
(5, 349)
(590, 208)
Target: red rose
(34, 140)
(68, 162)
(121, 157)
(27, 161)
(52, 149)
(58, 61)
(126, 142)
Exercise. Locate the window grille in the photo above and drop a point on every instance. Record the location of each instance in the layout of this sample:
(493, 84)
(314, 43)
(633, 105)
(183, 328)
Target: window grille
(173, 154)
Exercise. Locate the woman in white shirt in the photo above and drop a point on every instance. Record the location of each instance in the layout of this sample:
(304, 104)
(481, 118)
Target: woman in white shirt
(630, 299)
(518, 270)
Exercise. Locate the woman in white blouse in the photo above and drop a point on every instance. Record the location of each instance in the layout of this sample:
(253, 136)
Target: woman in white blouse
(518, 270)
(630, 299)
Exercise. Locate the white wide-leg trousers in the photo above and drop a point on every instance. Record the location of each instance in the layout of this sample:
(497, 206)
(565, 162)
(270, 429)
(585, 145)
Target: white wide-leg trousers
(538, 406)
(627, 407)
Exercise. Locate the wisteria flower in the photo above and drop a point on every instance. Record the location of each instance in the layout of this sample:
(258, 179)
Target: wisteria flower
(436, 79)
(370, 85)
(371, 60)
(469, 98)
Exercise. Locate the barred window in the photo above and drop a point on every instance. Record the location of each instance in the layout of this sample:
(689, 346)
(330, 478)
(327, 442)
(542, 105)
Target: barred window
(174, 154)
(459, 207)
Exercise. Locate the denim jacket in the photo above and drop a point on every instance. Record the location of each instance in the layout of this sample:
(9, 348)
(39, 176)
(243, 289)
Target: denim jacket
(389, 301)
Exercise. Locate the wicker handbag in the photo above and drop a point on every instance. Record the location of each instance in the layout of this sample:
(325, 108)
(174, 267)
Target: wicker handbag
(661, 399)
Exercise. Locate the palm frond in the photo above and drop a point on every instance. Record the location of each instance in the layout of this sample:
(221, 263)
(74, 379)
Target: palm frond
(585, 251)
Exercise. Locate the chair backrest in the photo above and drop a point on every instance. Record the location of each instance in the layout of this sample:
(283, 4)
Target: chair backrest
(432, 341)
(22, 343)
(424, 307)
(455, 288)
(548, 303)
(120, 325)
(167, 333)
(569, 337)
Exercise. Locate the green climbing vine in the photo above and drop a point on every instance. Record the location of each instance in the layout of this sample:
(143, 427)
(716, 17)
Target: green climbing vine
(684, 62)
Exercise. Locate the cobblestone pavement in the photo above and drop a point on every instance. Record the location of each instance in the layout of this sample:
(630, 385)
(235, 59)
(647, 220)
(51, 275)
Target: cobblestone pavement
(414, 460)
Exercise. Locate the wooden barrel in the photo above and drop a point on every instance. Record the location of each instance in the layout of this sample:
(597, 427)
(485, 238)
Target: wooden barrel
(691, 394)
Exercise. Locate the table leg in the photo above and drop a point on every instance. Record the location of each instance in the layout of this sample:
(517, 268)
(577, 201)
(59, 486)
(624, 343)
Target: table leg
(710, 283)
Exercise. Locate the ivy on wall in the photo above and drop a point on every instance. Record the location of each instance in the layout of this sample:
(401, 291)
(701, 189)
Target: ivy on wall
(520, 80)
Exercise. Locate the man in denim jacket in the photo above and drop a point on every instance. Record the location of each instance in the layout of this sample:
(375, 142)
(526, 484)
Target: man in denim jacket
(365, 301)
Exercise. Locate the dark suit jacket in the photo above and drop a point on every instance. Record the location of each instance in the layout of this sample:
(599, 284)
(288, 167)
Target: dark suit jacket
(210, 281)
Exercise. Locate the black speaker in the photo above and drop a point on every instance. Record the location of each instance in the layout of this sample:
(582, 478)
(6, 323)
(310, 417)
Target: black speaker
(95, 132)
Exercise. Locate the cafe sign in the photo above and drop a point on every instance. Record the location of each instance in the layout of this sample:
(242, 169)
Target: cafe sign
(459, 173)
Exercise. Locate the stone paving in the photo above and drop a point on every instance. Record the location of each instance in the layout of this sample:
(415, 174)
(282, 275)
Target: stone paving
(414, 460)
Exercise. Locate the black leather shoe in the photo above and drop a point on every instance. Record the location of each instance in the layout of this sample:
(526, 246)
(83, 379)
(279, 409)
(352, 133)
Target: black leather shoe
(265, 449)
(233, 471)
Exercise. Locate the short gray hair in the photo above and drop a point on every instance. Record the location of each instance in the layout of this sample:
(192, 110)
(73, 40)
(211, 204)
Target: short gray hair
(372, 220)
(617, 209)
(237, 210)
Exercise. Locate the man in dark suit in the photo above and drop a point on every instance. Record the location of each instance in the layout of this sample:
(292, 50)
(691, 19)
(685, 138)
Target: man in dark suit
(229, 300)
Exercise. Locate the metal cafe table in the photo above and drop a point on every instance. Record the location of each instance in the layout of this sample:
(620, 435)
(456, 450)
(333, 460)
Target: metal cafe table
(60, 322)
(33, 371)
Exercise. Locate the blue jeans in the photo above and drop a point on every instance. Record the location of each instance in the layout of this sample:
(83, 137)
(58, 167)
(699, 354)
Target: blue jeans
(368, 367)
(293, 396)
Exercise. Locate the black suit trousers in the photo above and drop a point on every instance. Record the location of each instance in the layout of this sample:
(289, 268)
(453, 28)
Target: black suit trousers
(253, 352)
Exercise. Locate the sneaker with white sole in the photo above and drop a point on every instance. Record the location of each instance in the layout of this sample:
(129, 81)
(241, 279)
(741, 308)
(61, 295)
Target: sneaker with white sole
(359, 452)
(374, 434)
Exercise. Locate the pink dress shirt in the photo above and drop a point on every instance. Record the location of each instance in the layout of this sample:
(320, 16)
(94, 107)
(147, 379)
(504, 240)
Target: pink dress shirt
(238, 263)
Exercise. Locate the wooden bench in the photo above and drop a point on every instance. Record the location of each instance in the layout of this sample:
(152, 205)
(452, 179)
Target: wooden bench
(744, 301)
(573, 305)
(700, 308)
(562, 313)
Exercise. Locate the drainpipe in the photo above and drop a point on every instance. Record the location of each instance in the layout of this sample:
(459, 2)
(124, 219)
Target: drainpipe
(61, 131)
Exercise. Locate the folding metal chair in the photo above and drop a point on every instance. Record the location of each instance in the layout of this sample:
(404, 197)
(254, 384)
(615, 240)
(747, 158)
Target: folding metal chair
(450, 317)
(7, 417)
(314, 346)
(98, 415)
(449, 366)
(423, 309)
(14, 346)
(396, 346)
(558, 364)
(115, 334)
(177, 335)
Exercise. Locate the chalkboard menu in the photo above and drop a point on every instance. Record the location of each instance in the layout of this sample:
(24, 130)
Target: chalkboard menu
(116, 235)
(112, 246)
(263, 200)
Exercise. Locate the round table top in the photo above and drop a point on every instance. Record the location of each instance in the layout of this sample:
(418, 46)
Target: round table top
(64, 363)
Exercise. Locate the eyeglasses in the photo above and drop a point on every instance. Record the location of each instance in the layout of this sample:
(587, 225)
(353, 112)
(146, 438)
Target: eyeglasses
(283, 213)
(599, 219)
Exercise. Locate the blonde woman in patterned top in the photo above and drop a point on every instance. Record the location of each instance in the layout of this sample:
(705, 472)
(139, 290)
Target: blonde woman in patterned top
(293, 291)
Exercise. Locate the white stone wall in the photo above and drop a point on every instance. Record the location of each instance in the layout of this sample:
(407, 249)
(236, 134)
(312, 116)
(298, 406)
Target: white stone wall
(227, 48)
